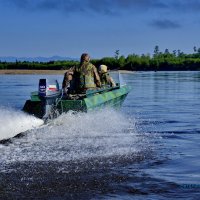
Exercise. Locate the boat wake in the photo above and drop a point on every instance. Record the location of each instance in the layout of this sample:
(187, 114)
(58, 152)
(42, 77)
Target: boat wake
(72, 137)
(13, 122)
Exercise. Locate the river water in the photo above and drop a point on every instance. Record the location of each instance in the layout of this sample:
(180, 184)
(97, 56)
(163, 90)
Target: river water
(147, 150)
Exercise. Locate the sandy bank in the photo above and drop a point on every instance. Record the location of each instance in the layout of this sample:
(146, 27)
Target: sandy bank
(25, 71)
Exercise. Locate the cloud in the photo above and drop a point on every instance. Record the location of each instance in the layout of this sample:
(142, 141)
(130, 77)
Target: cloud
(107, 7)
(46, 5)
(186, 5)
(96, 6)
(165, 24)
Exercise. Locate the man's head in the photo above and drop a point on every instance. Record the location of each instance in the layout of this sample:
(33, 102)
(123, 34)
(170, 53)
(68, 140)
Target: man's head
(102, 69)
(85, 57)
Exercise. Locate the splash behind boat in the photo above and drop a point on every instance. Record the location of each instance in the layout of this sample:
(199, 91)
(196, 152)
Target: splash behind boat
(49, 101)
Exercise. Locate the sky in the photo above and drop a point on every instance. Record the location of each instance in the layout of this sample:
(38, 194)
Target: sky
(31, 28)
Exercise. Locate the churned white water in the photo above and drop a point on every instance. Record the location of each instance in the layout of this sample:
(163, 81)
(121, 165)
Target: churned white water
(76, 136)
(13, 122)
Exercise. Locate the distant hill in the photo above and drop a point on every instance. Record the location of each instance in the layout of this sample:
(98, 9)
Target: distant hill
(35, 59)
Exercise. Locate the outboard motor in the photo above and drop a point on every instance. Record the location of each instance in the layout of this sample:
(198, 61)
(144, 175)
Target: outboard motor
(48, 93)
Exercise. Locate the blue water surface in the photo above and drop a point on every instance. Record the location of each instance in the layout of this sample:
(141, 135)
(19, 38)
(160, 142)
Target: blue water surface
(153, 154)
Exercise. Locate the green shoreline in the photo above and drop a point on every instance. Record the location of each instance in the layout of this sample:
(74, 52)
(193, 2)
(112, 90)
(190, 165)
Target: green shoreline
(159, 61)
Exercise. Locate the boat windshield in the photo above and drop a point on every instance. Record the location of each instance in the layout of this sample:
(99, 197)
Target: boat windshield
(117, 77)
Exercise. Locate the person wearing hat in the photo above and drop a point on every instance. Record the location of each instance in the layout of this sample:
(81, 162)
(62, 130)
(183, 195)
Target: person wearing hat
(80, 78)
(105, 78)
(86, 75)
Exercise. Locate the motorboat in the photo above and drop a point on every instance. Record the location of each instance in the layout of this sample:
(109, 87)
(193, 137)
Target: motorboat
(50, 101)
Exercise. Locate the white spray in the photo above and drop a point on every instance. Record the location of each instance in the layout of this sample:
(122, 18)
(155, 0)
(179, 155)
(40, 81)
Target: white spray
(105, 133)
(13, 122)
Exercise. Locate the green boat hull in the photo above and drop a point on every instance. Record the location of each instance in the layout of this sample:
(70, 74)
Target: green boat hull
(93, 100)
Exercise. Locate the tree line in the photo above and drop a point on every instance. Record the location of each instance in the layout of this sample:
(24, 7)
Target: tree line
(159, 61)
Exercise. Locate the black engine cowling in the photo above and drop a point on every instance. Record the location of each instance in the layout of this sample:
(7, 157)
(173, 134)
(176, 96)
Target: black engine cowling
(49, 93)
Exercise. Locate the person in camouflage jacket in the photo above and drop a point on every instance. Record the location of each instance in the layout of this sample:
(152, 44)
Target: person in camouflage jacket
(85, 76)
(106, 79)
